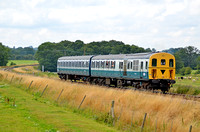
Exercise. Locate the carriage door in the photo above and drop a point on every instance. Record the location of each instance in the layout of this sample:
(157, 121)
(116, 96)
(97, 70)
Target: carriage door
(141, 69)
(125, 68)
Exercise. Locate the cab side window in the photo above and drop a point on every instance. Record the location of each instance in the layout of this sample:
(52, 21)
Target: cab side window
(154, 62)
(171, 63)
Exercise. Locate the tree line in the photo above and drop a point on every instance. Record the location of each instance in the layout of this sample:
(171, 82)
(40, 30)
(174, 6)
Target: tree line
(20, 53)
(48, 52)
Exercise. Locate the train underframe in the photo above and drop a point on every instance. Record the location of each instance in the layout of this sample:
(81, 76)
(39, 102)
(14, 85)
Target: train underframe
(148, 84)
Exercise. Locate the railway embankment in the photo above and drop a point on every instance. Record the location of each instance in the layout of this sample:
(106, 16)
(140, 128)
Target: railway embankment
(163, 113)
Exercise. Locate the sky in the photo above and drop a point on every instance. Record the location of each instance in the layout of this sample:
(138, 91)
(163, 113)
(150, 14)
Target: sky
(159, 24)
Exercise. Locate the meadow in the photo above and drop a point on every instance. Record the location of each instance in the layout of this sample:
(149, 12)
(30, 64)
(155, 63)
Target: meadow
(22, 62)
(164, 113)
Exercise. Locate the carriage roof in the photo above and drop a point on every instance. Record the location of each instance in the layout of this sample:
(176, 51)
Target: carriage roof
(87, 57)
(123, 56)
(109, 57)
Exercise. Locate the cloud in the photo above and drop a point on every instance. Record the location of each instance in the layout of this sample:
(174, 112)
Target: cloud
(147, 23)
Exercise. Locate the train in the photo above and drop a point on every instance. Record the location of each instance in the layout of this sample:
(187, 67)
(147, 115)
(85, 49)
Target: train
(150, 71)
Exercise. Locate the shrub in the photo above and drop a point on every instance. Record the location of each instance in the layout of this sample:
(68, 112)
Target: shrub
(185, 70)
(197, 72)
(188, 70)
(12, 63)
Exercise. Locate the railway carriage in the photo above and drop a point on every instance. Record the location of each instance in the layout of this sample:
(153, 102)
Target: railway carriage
(146, 70)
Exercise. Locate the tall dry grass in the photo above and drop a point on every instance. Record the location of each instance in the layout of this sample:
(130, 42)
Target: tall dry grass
(163, 111)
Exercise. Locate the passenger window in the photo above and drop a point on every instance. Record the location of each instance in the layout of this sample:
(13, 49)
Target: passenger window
(70, 64)
(87, 64)
(113, 64)
(171, 63)
(107, 64)
(82, 64)
(102, 64)
(163, 62)
(120, 65)
(141, 65)
(93, 64)
(128, 65)
(154, 62)
(97, 64)
(131, 65)
(146, 66)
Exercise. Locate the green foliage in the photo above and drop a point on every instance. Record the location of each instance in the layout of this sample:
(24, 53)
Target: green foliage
(12, 63)
(188, 70)
(179, 63)
(186, 57)
(185, 70)
(186, 89)
(197, 72)
(48, 53)
(26, 53)
(4, 55)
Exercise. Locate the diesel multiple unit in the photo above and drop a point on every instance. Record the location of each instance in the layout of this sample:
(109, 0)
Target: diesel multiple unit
(141, 70)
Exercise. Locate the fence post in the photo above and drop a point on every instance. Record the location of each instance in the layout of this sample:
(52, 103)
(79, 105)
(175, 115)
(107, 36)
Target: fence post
(112, 111)
(81, 102)
(30, 85)
(44, 90)
(190, 130)
(143, 122)
(132, 119)
(59, 95)
(171, 127)
(11, 79)
(156, 125)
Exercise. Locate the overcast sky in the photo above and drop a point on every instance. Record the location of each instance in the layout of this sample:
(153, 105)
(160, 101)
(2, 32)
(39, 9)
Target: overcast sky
(159, 24)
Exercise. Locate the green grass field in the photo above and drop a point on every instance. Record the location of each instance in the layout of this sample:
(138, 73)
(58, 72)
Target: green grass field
(22, 62)
(26, 112)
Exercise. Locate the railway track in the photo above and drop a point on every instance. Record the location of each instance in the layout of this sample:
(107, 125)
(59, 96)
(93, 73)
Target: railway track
(156, 92)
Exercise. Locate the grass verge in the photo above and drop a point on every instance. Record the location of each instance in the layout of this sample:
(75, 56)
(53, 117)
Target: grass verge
(22, 111)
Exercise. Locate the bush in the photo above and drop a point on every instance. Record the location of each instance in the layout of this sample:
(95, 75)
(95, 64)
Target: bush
(188, 70)
(197, 72)
(185, 71)
(12, 63)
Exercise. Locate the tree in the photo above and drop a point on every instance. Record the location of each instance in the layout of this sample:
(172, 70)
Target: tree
(179, 62)
(4, 55)
(188, 55)
(48, 53)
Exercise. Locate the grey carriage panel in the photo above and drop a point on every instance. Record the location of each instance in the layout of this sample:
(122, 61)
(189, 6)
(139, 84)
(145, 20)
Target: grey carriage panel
(75, 57)
(139, 55)
(107, 57)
